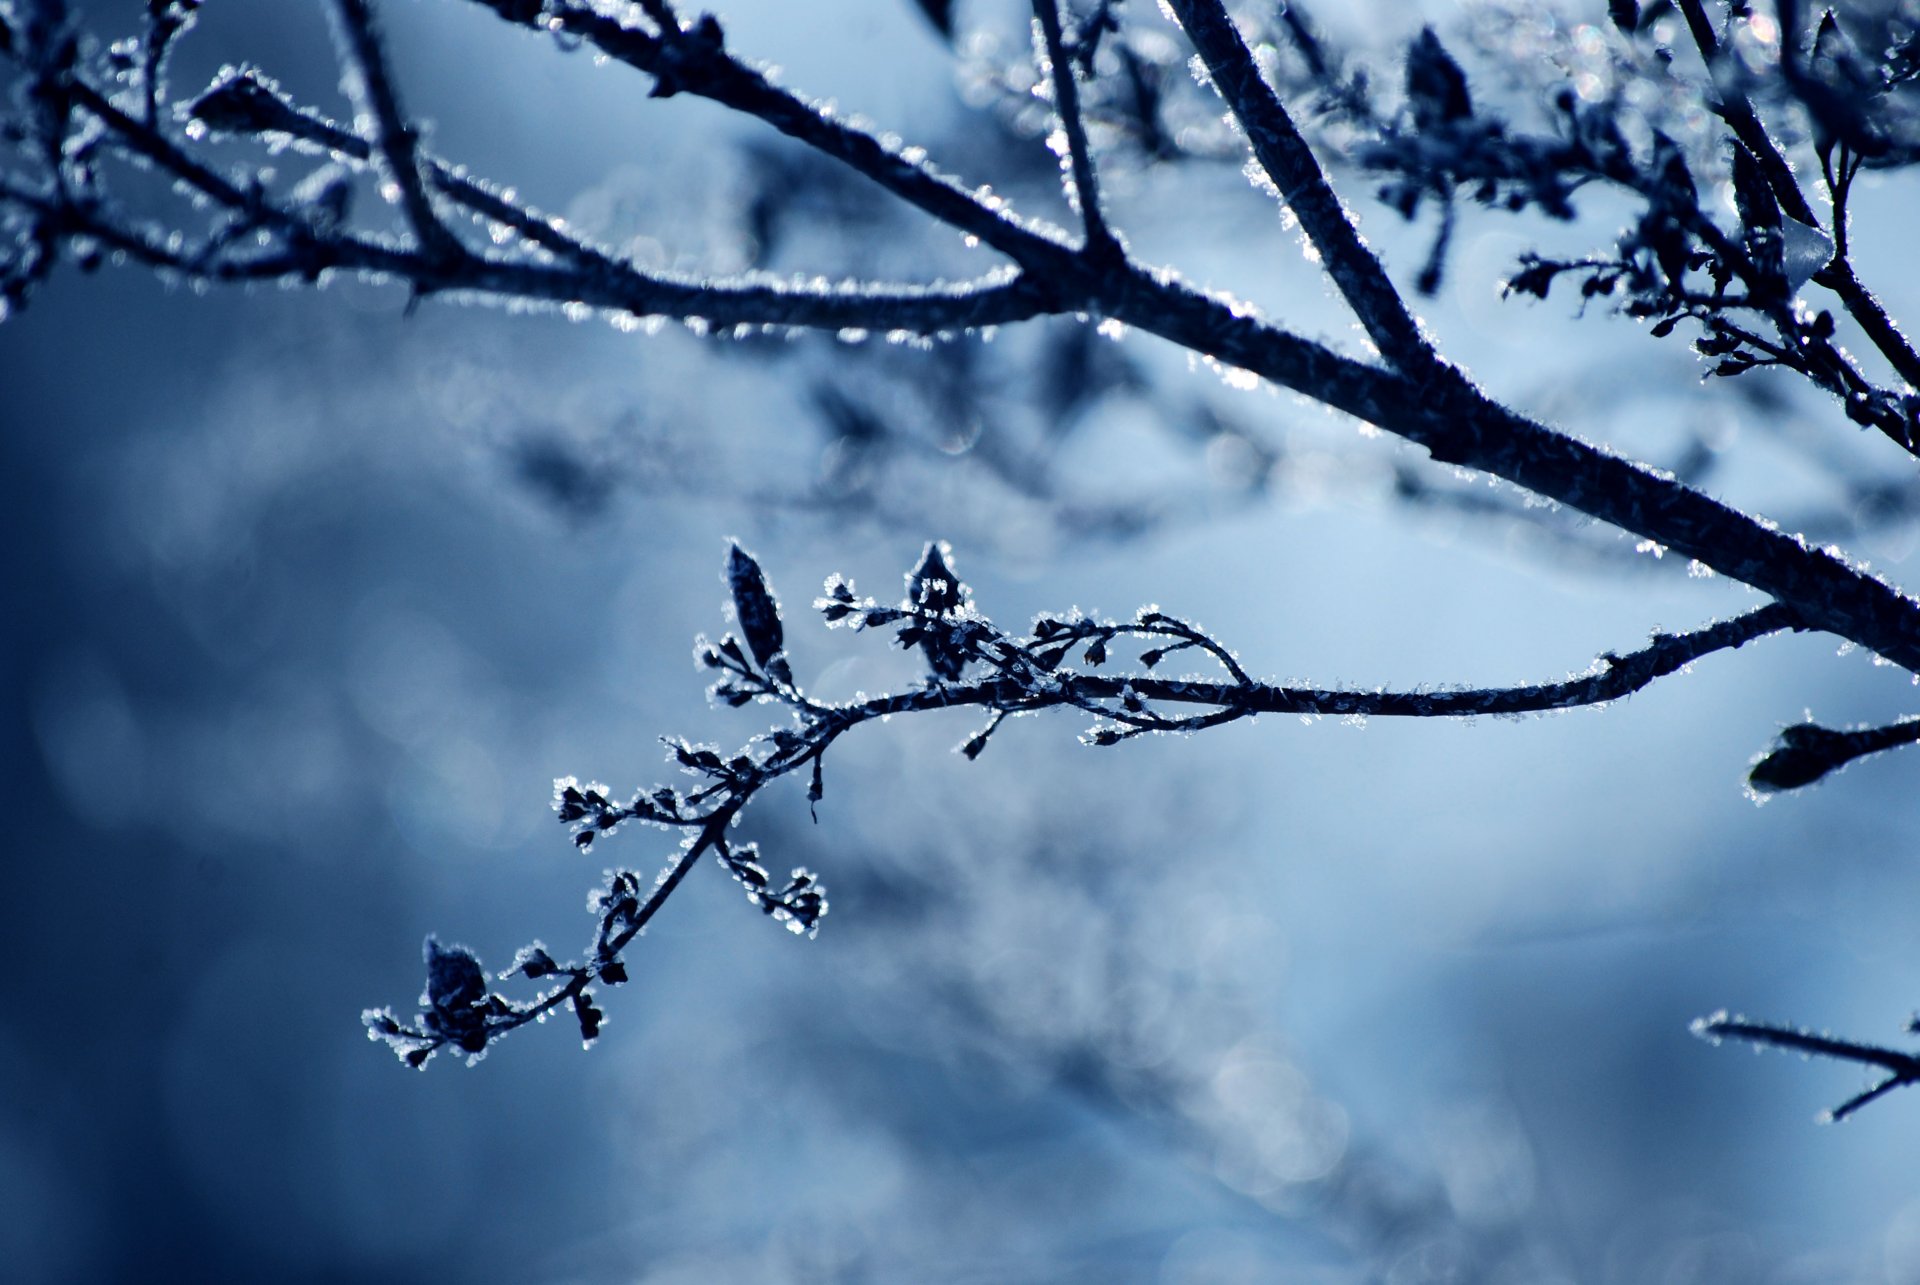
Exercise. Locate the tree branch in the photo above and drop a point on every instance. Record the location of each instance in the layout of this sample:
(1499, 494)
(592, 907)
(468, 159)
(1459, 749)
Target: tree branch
(1903, 1068)
(1015, 675)
(395, 141)
(1807, 752)
(1457, 425)
(1083, 187)
(596, 280)
(1473, 430)
(696, 62)
(1289, 162)
(1737, 111)
(1839, 275)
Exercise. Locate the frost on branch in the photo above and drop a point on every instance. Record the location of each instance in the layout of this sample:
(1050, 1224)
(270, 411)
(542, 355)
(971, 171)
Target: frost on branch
(1115, 673)
(1807, 752)
(1901, 1068)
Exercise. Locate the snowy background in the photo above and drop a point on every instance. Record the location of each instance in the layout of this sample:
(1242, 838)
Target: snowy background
(309, 602)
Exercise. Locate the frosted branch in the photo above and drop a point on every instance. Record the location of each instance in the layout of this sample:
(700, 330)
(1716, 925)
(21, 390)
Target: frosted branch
(1902, 1068)
(1062, 663)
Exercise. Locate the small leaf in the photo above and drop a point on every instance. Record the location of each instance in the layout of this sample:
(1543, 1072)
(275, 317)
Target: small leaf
(697, 758)
(754, 605)
(535, 962)
(590, 1017)
(455, 979)
(1534, 278)
(1050, 657)
(241, 101)
(1436, 87)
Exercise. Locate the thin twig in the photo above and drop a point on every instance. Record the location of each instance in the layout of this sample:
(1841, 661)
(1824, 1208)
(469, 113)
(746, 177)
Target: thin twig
(375, 98)
(706, 70)
(1904, 1068)
(1290, 163)
(1839, 276)
(1102, 247)
(1737, 111)
(1807, 752)
(924, 310)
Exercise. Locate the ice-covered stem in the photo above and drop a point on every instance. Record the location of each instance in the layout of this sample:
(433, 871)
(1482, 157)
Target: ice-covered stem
(472, 1017)
(1290, 163)
(1807, 752)
(1027, 675)
(1901, 1068)
(395, 140)
(1101, 247)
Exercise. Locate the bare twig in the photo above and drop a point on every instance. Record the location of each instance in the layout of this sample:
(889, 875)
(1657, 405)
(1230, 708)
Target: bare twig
(1289, 162)
(1903, 1068)
(1839, 274)
(1807, 752)
(1457, 424)
(1737, 111)
(916, 309)
(696, 62)
(395, 141)
(1083, 185)
(1840, 277)
(1018, 675)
